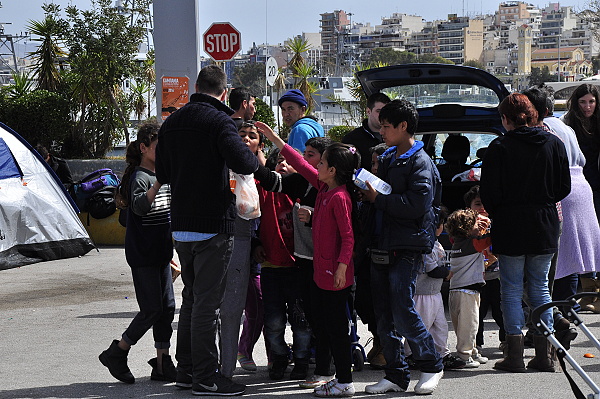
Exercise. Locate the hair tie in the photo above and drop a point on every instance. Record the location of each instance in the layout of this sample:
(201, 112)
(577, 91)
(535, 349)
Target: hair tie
(352, 150)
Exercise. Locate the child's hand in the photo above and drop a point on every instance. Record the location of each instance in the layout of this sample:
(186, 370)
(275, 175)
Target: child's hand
(481, 225)
(259, 255)
(370, 194)
(269, 133)
(304, 214)
(339, 278)
(449, 276)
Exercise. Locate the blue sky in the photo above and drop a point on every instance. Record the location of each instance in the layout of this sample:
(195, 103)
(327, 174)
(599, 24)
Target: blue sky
(274, 21)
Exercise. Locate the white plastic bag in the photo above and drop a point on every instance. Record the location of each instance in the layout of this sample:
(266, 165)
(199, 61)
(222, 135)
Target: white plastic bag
(246, 195)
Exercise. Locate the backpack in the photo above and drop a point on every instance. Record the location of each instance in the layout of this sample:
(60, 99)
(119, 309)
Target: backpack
(95, 193)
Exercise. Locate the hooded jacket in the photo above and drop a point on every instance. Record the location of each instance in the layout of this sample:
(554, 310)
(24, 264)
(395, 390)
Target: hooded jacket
(304, 129)
(410, 213)
(524, 174)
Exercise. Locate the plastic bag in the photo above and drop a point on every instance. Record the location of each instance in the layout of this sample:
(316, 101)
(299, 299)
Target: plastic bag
(246, 195)
(473, 174)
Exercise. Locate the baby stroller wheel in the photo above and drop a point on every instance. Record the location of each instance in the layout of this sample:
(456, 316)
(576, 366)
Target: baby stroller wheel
(358, 358)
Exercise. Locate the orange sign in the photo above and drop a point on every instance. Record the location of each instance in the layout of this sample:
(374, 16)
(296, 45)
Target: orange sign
(175, 94)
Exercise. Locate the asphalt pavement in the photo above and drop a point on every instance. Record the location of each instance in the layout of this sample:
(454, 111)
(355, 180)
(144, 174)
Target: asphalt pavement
(56, 317)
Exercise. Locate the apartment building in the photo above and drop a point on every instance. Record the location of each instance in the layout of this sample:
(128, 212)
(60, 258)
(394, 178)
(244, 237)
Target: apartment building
(460, 39)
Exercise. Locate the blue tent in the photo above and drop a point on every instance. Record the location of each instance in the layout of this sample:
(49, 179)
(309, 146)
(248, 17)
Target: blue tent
(38, 219)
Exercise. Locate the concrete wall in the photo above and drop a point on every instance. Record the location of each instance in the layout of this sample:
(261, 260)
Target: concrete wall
(81, 167)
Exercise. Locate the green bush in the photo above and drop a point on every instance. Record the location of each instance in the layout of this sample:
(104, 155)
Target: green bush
(40, 117)
(336, 133)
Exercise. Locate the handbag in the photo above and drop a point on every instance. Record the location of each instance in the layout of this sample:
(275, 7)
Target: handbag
(246, 195)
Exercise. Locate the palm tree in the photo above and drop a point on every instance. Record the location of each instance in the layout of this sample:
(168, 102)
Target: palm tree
(49, 53)
(23, 85)
(303, 72)
(297, 46)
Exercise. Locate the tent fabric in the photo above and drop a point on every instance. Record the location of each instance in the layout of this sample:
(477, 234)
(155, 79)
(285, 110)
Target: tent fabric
(38, 219)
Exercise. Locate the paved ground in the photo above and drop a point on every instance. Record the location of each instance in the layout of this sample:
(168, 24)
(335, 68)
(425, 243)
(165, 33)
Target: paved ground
(56, 317)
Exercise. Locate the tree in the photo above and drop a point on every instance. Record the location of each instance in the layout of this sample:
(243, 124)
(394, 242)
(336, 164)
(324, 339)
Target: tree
(389, 56)
(252, 76)
(433, 59)
(474, 63)
(49, 53)
(264, 113)
(101, 42)
(539, 76)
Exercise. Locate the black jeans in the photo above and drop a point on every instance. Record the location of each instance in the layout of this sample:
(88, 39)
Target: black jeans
(154, 293)
(490, 298)
(203, 270)
(331, 331)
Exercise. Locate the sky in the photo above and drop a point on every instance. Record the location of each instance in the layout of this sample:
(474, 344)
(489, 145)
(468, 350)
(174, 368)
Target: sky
(273, 21)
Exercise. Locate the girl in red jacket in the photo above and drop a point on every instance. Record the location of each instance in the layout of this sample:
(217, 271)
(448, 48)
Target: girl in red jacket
(333, 240)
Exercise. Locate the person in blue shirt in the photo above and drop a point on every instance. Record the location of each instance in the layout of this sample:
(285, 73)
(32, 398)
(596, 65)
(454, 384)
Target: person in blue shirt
(293, 106)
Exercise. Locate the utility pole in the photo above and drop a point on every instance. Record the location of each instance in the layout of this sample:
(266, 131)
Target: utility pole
(7, 48)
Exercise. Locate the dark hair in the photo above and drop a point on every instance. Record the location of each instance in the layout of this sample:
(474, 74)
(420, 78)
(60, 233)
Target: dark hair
(398, 111)
(238, 96)
(549, 97)
(319, 143)
(271, 162)
(461, 222)
(574, 117)
(147, 133)
(377, 98)
(211, 80)
(471, 195)
(518, 109)
(251, 123)
(442, 215)
(42, 150)
(345, 159)
(539, 99)
(378, 149)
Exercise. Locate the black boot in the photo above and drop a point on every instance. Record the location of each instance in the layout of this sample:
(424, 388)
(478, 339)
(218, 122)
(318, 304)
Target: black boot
(513, 361)
(545, 355)
(277, 371)
(169, 372)
(300, 370)
(115, 359)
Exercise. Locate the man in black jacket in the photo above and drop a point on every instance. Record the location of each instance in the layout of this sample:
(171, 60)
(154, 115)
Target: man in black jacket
(197, 145)
(367, 135)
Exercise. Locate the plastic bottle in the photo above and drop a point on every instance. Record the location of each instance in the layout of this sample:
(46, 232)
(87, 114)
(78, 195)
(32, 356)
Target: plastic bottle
(362, 175)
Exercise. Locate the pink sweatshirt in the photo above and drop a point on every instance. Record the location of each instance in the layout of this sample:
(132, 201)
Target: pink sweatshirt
(332, 233)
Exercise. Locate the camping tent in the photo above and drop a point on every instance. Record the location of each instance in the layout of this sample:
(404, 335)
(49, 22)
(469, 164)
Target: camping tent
(38, 218)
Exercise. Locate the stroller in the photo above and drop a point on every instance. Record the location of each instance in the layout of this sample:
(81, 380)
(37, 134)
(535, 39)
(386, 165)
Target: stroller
(561, 352)
(358, 351)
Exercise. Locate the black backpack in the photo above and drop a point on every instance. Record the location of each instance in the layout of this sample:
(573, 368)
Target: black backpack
(95, 193)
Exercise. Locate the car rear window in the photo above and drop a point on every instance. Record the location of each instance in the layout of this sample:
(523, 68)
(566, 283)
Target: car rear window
(427, 95)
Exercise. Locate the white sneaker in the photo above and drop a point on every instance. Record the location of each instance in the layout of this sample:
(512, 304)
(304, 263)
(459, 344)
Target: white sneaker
(315, 381)
(335, 389)
(428, 383)
(383, 386)
(471, 363)
(480, 359)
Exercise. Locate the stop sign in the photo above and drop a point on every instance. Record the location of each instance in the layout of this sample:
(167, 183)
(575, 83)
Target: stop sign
(222, 41)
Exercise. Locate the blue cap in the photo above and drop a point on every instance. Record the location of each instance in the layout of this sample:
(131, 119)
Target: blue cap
(294, 95)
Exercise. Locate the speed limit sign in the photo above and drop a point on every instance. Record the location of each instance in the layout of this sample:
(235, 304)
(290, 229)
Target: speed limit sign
(272, 71)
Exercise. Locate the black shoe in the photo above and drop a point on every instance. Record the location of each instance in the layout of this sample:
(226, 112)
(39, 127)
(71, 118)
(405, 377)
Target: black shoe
(278, 369)
(528, 340)
(566, 336)
(115, 359)
(300, 370)
(183, 379)
(452, 362)
(169, 372)
(219, 386)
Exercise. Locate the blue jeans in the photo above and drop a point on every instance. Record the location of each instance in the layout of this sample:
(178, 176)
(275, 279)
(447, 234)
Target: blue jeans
(393, 288)
(513, 271)
(282, 301)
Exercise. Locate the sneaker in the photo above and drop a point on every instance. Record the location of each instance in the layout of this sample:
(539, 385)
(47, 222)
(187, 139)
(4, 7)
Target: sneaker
(480, 359)
(428, 383)
(183, 379)
(315, 381)
(384, 386)
(220, 386)
(246, 363)
(335, 389)
(471, 364)
(452, 362)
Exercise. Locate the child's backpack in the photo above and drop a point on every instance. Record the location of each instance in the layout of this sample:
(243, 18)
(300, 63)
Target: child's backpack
(95, 193)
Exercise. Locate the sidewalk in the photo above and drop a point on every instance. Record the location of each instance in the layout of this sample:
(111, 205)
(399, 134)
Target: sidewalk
(56, 318)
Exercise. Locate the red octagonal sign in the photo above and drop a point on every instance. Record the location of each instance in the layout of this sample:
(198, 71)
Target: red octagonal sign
(222, 41)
